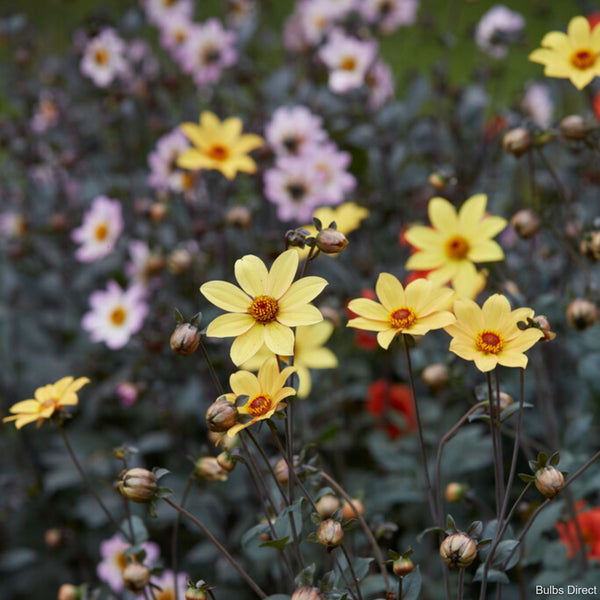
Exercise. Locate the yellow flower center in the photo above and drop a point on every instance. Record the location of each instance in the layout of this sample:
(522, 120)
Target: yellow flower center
(47, 403)
(101, 56)
(457, 247)
(218, 152)
(180, 36)
(584, 58)
(187, 181)
(101, 231)
(117, 316)
(348, 64)
(264, 309)
(165, 595)
(121, 561)
(489, 342)
(259, 405)
(402, 318)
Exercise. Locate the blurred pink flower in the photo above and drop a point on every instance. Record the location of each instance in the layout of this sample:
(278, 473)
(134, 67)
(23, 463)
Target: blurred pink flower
(389, 14)
(45, 114)
(104, 58)
(175, 29)
(102, 225)
(380, 83)
(166, 582)
(127, 393)
(497, 28)
(115, 315)
(334, 182)
(294, 130)
(315, 19)
(164, 174)
(538, 104)
(159, 10)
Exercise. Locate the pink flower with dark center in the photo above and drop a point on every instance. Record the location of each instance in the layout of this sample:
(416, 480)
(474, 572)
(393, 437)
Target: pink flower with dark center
(175, 29)
(389, 14)
(164, 173)
(159, 10)
(294, 131)
(380, 84)
(334, 181)
(104, 58)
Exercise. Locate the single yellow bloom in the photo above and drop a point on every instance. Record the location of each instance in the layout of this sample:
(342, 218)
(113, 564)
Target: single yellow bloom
(490, 335)
(219, 145)
(309, 353)
(455, 241)
(414, 310)
(573, 55)
(267, 306)
(264, 392)
(48, 400)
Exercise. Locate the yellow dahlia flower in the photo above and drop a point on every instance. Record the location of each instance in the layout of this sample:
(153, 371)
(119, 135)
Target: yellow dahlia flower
(489, 335)
(455, 241)
(219, 145)
(265, 308)
(48, 400)
(416, 310)
(573, 55)
(265, 392)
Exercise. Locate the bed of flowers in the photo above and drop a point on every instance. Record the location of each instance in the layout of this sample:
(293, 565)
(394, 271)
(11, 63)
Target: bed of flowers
(276, 325)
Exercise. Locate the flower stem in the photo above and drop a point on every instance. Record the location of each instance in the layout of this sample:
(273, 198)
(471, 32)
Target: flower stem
(352, 572)
(211, 369)
(496, 447)
(174, 535)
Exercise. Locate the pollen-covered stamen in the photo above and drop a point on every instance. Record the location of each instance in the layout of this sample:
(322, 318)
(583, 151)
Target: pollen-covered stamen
(348, 64)
(101, 56)
(264, 309)
(259, 405)
(489, 342)
(584, 58)
(402, 318)
(218, 152)
(118, 315)
(457, 247)
(101, 231)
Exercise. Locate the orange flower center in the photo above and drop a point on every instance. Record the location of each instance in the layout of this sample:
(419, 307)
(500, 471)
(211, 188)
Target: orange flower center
(187, 181)
(218, 152)
(259, 405)
(121, 561)
(489, 342)
(117, 316)
(165, 595)
(402, 318)
(584, 58)
(457, 247)
(180, 36)
(48, 403)
(264, 309)
(101, 231)
(101, 56)
(348, 64)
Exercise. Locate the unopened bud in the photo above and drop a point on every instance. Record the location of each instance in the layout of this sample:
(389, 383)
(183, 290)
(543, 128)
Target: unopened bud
(590, 246)
(581, 314)
(240, 216)
(455, 492)
(68, 591)
(544, 326)
(526, 223)
(158, 212)
(226, 462)
(353, 509)
(138, 485)
(458, 550)
(221, 416)
(308, 593)
(185, 339)
(193, 593)
(330, 534)
(438, 181)
(573, 127)
(505, 400)
(209, 469)
(331, 241)
(179, 261)
(327, 505)
(402, 567)
(549, 481)
(517, 141)
(435, 376)
(136, 576)
(53, 537)
(282, 473)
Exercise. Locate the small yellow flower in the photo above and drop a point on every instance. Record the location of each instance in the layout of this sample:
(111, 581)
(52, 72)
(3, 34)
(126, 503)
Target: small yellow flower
(416, 310)
(219, 145)
(48, 400)
(264, 392)
(309, 353)
(573, 55)
(455, 241)
(267, 306)
(490, 335)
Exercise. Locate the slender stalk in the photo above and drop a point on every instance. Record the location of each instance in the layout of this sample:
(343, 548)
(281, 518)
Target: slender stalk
(311, 256)
(352, 572)
(461, 583)
(496, 447)
(211, 369)
(559, 185)
(400, 588)
(339, 566)
(175, 533)
(88, 485)
(498, 412)
(257, 473)
(268, 464)
(219, 546)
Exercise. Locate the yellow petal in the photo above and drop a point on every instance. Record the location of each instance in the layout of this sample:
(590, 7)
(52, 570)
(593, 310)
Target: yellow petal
(469, 315)
(304, 382)
(471, 213)
(25, 406)
(251, 274)
(244, 383)
(317, 358)
(210, 121)
(302, 291)
(424, 237)
(485, 362)
(311, 336)
(364, 307)
(279, 338)
(306, 314)
(443, 216)
(231, 128)
(434, 321)
(559, 41)
(495, 310)
(368, 324)
(248, 142)
(426, 260)
(384, 338)
(193, 160)
(390, 292)
(194, 133)
(582, 78)
(282, 274)
(579, 33)
(226, 296)
(247, 345)
(230, 325)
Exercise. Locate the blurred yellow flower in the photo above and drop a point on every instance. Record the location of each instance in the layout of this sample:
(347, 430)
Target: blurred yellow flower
(265, 392)
(309, 353)
(266, 307)
(573, 55)
(416, 310)
(48, 400)
(219, 145)
(489, 335)
(449, 248)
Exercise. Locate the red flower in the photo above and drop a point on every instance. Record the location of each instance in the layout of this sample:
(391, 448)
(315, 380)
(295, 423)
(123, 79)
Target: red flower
(384, 398)
(364, 339)
(589, 524)
(596, 105)
(593, 19)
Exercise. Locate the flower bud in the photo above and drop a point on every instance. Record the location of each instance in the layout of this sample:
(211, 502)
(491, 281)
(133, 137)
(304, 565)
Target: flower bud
(517, 141)
(455, 492)
(307, 593)
(505, 400)
(331, 241)
(435, 376)
(572, 127)
(193, 593)
(352, 510)
(544, 326)
(282, 473)
(138, 485)
(239, 216)
(591, 245)
(549, 481)
(221, 440)
(327, 505)
(53, 537)
(136, 576)
(179, 261)
(330, 534)
(458, 550)
(185, 339)
(438, 181)
(68, 591)
(221, 416)
(581, 314)
(209, 469)
(226, 462)
(158, 212)
(526, 223)
(402, 567)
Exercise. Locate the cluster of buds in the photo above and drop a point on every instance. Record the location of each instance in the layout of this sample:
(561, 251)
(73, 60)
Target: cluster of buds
(328, 240)
(209, 468)
(539, 322)
(590, 245)
(547, 478)
(186, 338)
(581, 314)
